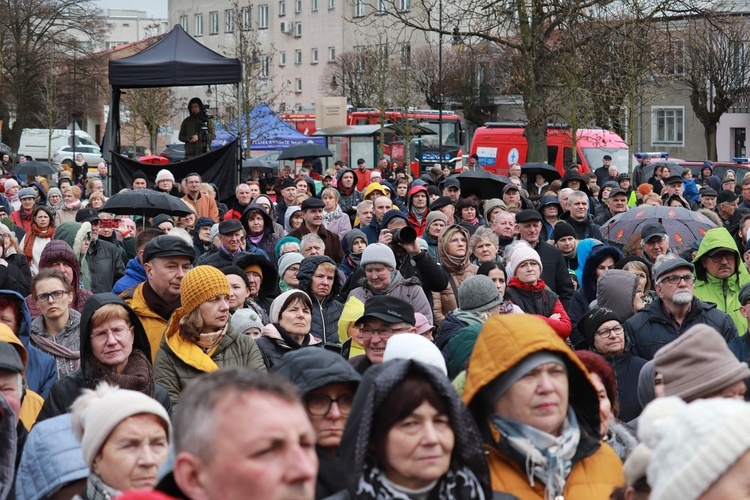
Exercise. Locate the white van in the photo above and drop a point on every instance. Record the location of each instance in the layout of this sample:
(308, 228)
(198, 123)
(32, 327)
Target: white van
(36, 145)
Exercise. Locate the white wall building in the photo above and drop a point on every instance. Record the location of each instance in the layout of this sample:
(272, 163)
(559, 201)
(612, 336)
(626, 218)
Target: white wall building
(126, 26)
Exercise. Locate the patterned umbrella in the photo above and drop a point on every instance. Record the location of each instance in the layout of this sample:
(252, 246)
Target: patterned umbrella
(683, 226)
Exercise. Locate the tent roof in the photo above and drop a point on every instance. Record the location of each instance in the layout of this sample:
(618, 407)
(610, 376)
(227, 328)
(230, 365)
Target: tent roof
(177, 60)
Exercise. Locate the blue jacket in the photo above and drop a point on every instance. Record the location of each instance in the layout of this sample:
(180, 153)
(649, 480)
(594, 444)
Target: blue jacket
(372, 231)
(51, 457)
(41, 369)
(135, 274)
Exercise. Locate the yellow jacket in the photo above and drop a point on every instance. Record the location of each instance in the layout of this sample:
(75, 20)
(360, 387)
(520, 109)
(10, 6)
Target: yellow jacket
(152, 322)
(32, 402)
(504, 341)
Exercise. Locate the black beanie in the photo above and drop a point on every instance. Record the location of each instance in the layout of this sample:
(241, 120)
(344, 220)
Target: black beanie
(563, 229)
(592, 320)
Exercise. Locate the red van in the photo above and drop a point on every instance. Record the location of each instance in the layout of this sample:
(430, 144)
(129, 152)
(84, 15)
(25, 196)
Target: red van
(500, 144)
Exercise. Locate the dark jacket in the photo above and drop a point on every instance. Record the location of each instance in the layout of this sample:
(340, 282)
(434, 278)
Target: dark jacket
(372, 231)
(650, 329)
(627, 367)
(325, 314)
(585, 229)
(547, 228)
(105, 264)
(67, 389)
(331, 240)
(223, 259)
(274, 344)
(348, 202)
(555, 271)
(268, 242)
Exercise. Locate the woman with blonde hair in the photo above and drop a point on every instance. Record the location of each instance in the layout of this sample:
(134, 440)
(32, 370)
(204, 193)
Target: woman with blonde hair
(334, 219)
(454, 255)
(71, 205)
(96, 200)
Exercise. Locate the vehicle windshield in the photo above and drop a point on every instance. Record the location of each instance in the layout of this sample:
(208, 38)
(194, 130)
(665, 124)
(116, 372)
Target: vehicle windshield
(619, 157)
(450, 134)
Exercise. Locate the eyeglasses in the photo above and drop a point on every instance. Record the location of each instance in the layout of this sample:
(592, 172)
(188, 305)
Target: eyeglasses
(320, 404)
(43, 298)
(119, 333)
(718, 257)
(606, 333)
(382, 332)
(673, 280)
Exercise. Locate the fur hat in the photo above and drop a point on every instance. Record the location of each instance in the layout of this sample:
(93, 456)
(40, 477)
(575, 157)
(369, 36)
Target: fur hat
(522, 254)
(200, 284)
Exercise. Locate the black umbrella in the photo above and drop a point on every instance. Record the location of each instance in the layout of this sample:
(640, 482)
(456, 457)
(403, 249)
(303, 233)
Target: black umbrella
(264, 166)
(304, 150)
(683, 226)
(484, 184)
(34, 168)
(674, 168)
(145, 202)
(549, 172)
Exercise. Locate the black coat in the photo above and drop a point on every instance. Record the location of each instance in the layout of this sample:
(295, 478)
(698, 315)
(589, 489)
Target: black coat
(650, 329)
(627, 367)
(325, 314)
(66, 390)
(105, 265)
(555, 272)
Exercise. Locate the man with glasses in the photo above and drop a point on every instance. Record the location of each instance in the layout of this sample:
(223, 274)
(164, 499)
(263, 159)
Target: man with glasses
(384, 317)
(654, 242)
(720, 274)
(675, 310)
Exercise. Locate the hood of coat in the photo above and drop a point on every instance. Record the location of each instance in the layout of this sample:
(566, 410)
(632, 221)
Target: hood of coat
(377, 384)
(256, 207)
(306, 270)
(442, 249)
(288, 215)
(546, 200)
(311, 369)
(489, 206)
(616, 290)
(58, 250)
(341, 173)
(8, 450)
(270, 203)
(24, 324)
(94, 303)
(348, 240)
(572, 175)
(414, 190)
(500, 347)
(7, 335)
(718, 237)
(597, 255)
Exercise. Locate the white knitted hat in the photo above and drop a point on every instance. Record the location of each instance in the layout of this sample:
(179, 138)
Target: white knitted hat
(289, 259)
(521, 255)
(416, 347)
(96, 414)
(164, 175)
(692, 444)
(244, 319)
(378, 253)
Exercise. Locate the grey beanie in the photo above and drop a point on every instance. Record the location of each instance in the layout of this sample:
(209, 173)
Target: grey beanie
(287, 260)
(244, 319)
(214, 232)
(378, 253)
(26, 193)
(478, 294)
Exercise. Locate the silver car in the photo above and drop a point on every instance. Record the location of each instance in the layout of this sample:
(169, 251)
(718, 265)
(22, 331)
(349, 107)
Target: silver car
(64, 155)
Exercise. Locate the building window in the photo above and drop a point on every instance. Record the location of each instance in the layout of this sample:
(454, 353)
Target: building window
(263, 17)
(213, 23)
(297, 57)
(404, 5)
(245, 18)
(297, 30)
(315, 5)
(359, 8)
(298, 85)
(282, 8)
(314, 56)
(198, 24)
(282, 58)
(331, 4)
(668, 126)
(297, 6)
(405, 54)
(229, 20)
(126, 25)
(264, 62)
(331, 54)
(184, 23)
(381, 7)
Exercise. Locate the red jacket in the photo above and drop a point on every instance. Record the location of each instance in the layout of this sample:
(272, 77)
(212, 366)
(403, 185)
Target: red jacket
(363, 178)
(22, 222)
(419, 227)
(540, 301)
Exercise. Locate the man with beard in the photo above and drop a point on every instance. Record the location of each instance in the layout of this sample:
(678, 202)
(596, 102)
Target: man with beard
(720, 274)
(312, 213)
(417, 204)
(346, 185)
(244, 194)
(579, 217)
(363, 175)
(675, 310)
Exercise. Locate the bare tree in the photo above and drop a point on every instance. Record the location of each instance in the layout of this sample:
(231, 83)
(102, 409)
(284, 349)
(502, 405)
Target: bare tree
(149, 108)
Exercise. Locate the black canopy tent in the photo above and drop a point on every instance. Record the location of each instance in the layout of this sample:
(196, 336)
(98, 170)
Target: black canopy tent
(177, 60)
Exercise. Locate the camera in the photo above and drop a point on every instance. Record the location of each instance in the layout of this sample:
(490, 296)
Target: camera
(203, 115)
(405, 235)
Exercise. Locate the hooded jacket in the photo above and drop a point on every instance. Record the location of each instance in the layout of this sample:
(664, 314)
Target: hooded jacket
(269, 239)
(377, 384)
(135, 274)
(447, 300)
(419, 225)
(41, 369)
(67, 389)
(350, 262)
(273, 346)
(505, 341)
(548, 228)
(725, 293)
(325, 313)
(349, 200)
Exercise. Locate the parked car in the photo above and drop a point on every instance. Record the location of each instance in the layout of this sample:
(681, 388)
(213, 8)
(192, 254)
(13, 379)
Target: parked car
(64, 156)
(128, 151)
(174, 152)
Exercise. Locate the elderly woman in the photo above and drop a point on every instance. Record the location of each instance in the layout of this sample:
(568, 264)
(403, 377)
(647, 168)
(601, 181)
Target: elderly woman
(327, 384)
(467, 212)
(71, 205)
(199, 337)
(409, 436)
(334, 219)
(57, 330)
(538, 411)
(453, 252)
(529, 292)
(434, 227)
(42, 232)
(288, 267)
(262, 277)
(124, 439)
(483, 246)
(291, 317)
(96, 200)
(54, 199)
(114, 349)
(259, 228)
(382, 278)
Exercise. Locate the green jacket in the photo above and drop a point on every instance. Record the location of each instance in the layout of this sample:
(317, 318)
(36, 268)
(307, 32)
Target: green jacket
(234, 349)
(724, 293)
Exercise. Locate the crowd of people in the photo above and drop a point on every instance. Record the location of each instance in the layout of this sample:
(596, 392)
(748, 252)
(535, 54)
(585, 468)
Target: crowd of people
(359, 333)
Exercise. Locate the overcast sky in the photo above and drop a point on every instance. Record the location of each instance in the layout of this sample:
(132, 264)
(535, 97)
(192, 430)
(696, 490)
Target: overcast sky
(154, 8)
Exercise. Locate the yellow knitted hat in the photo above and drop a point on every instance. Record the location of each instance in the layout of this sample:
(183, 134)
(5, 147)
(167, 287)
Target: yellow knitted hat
(200, 284)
